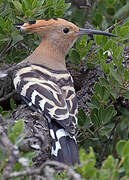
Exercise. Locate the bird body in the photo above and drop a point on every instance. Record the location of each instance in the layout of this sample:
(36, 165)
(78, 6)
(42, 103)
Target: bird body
(51, 93)
(47, 87)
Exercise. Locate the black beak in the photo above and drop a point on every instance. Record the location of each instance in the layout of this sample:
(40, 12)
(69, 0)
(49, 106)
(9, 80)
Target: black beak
(83, 31)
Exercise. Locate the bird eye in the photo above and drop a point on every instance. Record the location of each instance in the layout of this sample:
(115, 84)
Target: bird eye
(66, 30)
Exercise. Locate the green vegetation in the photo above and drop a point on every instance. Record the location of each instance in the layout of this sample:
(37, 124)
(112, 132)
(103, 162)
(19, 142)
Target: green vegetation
(106, 128)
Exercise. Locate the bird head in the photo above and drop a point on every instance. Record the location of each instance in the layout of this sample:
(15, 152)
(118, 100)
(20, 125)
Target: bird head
(61, 33)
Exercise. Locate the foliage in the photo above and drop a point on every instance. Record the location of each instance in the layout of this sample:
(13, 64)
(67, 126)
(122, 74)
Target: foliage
(12, 45)
(16, 131)
(107, 122)
(106, 128)
(109, 11)
(105, 125)
(16, 136)
(111, 168)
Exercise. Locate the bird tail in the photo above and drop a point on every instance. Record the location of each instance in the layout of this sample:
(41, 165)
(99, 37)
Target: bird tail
(64, 145)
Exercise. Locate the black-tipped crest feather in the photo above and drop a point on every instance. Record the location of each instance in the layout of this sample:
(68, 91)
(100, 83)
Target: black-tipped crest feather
(19, 24)
(32, 22)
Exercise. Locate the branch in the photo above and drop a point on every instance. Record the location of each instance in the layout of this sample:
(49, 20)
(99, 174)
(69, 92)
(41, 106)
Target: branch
(6, 48)
(9, 148)
(41, 170)
(109, 139)
(7, 96)
(13, 68)
(111, 28)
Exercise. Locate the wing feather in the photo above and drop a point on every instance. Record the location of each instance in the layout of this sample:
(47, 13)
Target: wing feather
(52, 94)
(49, 100)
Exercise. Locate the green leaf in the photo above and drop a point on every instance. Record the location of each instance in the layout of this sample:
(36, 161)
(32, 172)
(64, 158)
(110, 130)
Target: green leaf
(98, 39)
(30, 155)
(110, 11)
(94, 102)
(16, 36)
(40, 3)
(29, 13)
(18, 167)
(101, 114)
(109, 113)
(126, 94)
(34, 4)
(116, 76)
(102, 93)
(94, 117)
(126, 165)
(104, 82)
(2, 155)
(6, 114)
(27, 4)
(106, 114)
(124, 31)
(105, 67)
(111, 1)
(97, 19)
(17, 5)
(121, 11)
(67, 6)
(74, 57)
(16, 131)
(126, 75)
(125, 151)
(108, 45)
(124, 111)
(2, 22)
(1, 109)
(87, 170)
(12, 104)
(81, 117)
(83, 120)
(118, 52)
(109, 163)
(91, 65)
(119, 147)
(8, 25)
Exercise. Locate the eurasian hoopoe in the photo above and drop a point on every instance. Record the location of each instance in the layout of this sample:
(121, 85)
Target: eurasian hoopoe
(47, 87)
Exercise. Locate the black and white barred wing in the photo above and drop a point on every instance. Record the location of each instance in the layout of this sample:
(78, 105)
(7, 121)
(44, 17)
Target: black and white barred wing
(47, 98)
(43, 96)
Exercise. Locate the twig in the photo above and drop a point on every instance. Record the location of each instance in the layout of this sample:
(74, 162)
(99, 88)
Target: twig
(111, 28)
(11, 150)
(14, 68)
(27, 47)
(5, 49)
(40, 171)
(7, 96)
(11, 46)
(111, 134)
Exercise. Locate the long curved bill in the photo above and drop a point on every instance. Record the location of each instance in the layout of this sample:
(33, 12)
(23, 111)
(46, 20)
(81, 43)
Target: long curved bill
(83, 31)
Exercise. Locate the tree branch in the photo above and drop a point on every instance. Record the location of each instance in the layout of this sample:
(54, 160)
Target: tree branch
(41, 170)
(10, 149)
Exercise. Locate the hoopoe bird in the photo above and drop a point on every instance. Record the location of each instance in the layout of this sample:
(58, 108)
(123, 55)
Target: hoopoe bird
(47, 87)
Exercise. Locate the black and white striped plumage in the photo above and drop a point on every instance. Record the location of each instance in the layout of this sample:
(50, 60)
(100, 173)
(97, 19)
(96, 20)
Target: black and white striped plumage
(52, 93)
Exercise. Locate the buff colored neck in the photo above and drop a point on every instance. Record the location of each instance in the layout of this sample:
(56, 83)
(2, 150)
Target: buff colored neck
(47, 55)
